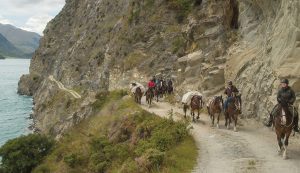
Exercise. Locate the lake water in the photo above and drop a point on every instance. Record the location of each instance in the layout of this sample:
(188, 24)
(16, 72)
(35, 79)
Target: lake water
(14, 109)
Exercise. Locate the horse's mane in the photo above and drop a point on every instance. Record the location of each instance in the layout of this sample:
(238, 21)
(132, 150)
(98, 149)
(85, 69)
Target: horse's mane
(286, 109)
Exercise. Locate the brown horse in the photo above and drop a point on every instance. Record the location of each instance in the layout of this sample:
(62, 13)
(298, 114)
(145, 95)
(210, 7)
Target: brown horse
(138, 95)
(149, 96)
(214, 107)
(233, 110)
(283, 127)
(196, 104)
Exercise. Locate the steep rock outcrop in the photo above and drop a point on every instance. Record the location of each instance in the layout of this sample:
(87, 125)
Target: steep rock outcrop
(100, 45)
(94, 46)
(268, 51)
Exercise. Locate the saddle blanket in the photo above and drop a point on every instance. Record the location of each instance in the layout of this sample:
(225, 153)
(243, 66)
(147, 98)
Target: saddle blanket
(186, 98)
(133, 88)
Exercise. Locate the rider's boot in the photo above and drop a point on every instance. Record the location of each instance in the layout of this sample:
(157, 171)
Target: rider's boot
(296, 126)
(268, 123)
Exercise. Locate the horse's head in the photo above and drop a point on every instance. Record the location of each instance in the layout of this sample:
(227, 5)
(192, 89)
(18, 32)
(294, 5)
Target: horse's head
(198, 99)
(218, 101)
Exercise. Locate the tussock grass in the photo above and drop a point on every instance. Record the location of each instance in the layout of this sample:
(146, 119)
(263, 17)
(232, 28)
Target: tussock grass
(123, 138)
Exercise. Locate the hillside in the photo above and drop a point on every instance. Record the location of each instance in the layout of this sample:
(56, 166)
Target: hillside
(26, 42)
(7, 48)
(94, 46)
(2, 57)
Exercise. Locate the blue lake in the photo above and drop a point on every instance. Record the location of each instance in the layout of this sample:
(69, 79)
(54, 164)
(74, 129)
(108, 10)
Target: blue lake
(14, 109)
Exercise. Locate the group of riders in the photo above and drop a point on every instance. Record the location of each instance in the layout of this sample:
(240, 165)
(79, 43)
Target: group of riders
(286, 98)
(159, 86)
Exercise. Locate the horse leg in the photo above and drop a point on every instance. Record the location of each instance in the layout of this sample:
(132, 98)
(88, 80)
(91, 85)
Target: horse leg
(184, 110)
(279, 143)
(193, 114)
(198, 114)
(286, 143)
(218, 120)
(213, 119)
(229, 121)
(235, 122)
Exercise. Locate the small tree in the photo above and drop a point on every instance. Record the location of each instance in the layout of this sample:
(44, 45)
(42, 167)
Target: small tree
(21, 155)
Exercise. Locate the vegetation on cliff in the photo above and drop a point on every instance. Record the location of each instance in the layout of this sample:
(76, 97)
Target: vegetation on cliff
(24, 153)
(122, 137)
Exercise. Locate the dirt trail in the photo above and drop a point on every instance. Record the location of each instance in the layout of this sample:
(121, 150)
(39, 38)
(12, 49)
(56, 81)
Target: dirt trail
(62, 87)
(253, 149)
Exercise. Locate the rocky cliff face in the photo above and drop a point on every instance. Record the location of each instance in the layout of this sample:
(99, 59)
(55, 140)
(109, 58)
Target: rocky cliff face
(94, 46)
(267, 51)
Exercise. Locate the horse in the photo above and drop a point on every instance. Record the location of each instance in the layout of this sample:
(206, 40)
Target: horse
(149, 96)
(214, 107)
(283, 124)
(138, 95)
(164, 88)
(196, 104)
(233, 110)
(156, 93)
(170, 88)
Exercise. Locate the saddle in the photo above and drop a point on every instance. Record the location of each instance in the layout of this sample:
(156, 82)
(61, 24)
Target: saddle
(277, 108)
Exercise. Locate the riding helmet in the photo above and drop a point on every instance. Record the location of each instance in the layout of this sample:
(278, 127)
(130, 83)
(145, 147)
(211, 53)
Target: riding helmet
(230, 83)
(286, 81)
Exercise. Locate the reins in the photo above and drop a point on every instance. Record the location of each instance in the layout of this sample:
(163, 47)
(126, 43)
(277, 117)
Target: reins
(292, 122)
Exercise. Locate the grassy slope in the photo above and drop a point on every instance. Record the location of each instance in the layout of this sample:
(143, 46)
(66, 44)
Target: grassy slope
(79, 150)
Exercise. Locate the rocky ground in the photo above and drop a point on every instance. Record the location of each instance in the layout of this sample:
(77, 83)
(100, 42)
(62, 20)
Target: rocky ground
(253, 149)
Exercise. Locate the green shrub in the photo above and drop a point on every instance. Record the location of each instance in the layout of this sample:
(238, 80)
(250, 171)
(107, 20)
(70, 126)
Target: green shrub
(101, 99)
(182, 8)
(72, 160)
(177, 44)
(101, 157)
(154, 156)
(129, 166)
(42, 169)
(24, 153)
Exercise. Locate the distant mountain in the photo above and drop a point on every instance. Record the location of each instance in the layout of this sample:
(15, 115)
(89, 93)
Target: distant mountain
(25, 42)
(8, 49)
(2, 57)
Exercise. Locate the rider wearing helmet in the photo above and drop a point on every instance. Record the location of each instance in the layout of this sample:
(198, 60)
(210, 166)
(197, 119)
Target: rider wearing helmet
(229, 91)
(285, 96)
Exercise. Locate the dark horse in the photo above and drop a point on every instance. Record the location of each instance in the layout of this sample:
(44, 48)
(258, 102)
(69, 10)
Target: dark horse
(196, 104)
(283, 127)
(157, 93)
(164, 88)
(233, 110)
(214, 107)
(170, 87)
(138, 95)
(149, 96)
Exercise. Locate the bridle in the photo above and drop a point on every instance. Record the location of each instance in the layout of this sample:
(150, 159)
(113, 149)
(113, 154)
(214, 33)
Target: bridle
(292, 122)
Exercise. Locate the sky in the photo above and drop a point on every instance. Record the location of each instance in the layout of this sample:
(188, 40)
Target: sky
(30, 15)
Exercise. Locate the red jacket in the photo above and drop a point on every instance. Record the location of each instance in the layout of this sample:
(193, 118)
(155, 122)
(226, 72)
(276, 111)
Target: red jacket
(151, 84)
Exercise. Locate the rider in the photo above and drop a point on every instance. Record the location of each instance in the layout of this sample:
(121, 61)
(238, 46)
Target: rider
(285, 95)
(228, 91)
(151, 84)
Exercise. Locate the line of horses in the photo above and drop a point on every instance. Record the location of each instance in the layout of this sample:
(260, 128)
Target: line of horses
(159, 91)
(215, 108)
(282, 122)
